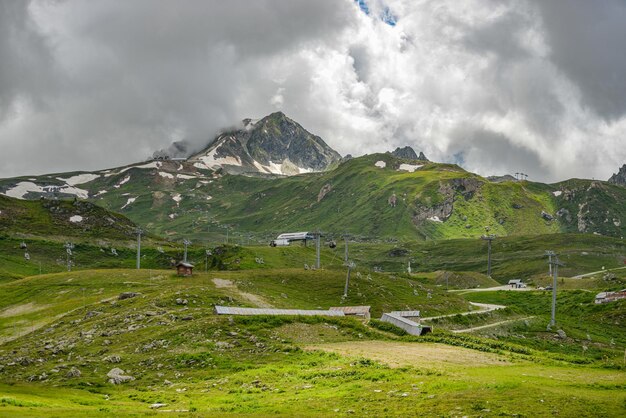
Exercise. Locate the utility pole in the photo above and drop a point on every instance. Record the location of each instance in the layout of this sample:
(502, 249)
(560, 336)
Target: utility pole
(318, 237)
(555, 276)
(550, 254)
(68, 249)
(345, 256)
(207, 253)
(488, 238)
(139, 232)
(186, 242)
(350, 265)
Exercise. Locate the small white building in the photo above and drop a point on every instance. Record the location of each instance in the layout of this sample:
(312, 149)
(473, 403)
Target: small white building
(517, 284)
(286, 238)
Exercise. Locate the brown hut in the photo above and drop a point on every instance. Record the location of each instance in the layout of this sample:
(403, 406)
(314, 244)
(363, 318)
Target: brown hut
(184, 269)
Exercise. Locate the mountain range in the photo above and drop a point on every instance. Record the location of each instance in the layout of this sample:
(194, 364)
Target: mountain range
(272, 175)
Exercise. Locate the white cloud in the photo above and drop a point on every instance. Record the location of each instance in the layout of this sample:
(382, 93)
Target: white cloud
(497, 85)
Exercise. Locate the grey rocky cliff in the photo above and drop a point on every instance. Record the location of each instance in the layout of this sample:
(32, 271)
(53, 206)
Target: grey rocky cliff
(408, 153)
(619, 177)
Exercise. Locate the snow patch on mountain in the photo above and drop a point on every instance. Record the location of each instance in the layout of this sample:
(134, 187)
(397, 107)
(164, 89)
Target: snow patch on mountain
(185, 177)
(76, 219)
(409, 167)
(24, 187)
(124, 181)
(79, 179)
(129, 201)
(201, 166)
(380, 164)
(166, 175)
(152, 164)
(210, 161)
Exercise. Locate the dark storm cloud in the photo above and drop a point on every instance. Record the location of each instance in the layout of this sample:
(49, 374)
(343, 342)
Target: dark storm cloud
(587, 41)
(137, 75)
(478, 148)
(25, 63)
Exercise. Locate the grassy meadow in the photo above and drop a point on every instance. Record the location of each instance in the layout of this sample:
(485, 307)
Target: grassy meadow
(195, 363)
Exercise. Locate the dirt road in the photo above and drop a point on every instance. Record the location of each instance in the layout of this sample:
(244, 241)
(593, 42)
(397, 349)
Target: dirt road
(484, 307)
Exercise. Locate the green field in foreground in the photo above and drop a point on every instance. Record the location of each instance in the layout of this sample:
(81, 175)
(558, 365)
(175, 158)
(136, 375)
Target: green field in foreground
(199, 364)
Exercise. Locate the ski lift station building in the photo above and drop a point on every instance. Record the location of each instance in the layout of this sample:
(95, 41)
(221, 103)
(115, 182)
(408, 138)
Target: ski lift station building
(286, 238)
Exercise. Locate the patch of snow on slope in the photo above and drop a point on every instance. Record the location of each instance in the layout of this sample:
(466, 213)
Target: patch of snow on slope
(201, 166)
(171, 215)
(100, 193)
(210, 161)
(129, 201)
(435, 219)
(24, 187)
(409, 167)
(76, 219)
(124, 181)
(557, 193)
(166, 175)
(153, 164)
(380, 164)
(209, 197)
(275, 168)
(79, 179)
(261, 167)
(185, 177)
(83, 194)
(177, 198)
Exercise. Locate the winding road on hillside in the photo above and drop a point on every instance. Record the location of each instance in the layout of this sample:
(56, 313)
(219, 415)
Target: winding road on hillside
(495, 324)
(580, 276)
(483, 307)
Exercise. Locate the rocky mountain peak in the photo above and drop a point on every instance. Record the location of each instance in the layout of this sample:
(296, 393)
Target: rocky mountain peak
(619, 177)
(274, 144)
(408, 153)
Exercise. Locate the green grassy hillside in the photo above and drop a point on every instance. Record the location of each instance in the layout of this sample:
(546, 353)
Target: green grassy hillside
(61, 334)
(47, 218)
(464, 260)
(435, 201)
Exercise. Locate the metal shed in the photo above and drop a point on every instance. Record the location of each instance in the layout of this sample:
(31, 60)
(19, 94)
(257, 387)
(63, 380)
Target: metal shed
(228, 310)
(360, 311)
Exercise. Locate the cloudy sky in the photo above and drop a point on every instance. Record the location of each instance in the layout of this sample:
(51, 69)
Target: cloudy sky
(496, 86)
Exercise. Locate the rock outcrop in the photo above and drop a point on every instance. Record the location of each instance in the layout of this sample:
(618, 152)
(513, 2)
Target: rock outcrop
(116, 376)
(619, 177)
(408, 153)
